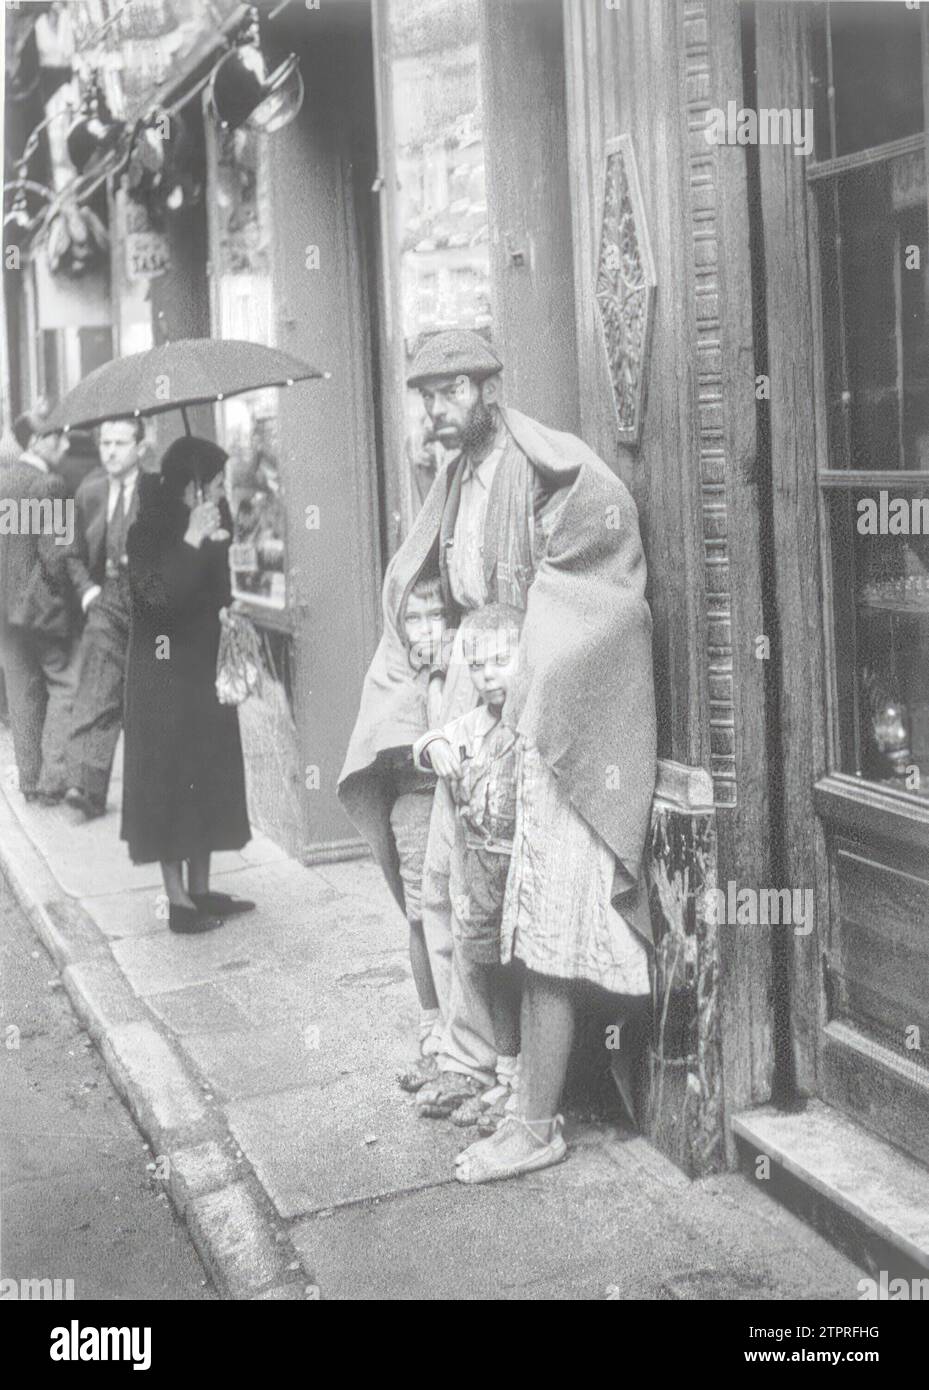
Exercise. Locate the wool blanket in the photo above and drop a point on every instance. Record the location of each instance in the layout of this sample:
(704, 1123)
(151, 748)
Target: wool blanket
(583, 692)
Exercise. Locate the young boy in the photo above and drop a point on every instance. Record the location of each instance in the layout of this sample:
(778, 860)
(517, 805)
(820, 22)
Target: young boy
(423, 625)
(477, 754)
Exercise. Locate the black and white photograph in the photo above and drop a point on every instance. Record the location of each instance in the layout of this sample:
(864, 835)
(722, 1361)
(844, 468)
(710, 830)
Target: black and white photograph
(464, 665)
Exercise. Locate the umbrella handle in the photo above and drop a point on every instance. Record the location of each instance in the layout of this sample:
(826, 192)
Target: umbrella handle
(186, 420)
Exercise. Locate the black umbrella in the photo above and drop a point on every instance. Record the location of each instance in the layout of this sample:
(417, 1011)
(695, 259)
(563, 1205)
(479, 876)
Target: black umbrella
(191, 371)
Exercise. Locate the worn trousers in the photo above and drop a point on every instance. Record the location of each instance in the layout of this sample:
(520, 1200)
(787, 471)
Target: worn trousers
(41, 676)
(97, 715)
(463, 988)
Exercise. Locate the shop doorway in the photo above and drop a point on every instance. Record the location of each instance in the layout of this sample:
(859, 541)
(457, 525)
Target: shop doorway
(291, 232)
(847, 287)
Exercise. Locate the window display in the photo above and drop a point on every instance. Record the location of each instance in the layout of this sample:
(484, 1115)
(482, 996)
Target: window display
(441, 243)
(240, 241)
(874, 250)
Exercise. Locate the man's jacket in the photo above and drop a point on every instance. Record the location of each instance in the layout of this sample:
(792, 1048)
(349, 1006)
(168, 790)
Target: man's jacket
(87, 556)
(33, 573)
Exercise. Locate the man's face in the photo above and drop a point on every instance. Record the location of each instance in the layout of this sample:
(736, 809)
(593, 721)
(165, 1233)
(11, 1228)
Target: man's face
(456, 409)
(51, 447)
(119, 448)
(492, 658)
(424, 624)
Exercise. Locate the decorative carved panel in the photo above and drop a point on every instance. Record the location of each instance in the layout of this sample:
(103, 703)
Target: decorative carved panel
(716, 464)
(625, 286)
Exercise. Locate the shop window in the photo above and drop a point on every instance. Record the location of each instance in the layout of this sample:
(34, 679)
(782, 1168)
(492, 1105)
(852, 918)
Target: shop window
(440, 251)
(242, 305)
(870, 187)
(139, 254)
(68, 355)
(866, 77)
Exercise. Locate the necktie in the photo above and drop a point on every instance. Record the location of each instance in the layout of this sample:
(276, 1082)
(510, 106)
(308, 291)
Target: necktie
(115, 535)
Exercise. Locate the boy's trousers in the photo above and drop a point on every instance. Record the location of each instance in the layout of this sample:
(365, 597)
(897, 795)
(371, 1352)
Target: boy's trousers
(462, 987)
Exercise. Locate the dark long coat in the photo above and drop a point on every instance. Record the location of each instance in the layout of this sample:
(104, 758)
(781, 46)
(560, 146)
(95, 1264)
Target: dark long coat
(183, 780)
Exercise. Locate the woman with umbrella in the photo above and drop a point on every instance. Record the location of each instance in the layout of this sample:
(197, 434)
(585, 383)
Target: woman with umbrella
(183, 779)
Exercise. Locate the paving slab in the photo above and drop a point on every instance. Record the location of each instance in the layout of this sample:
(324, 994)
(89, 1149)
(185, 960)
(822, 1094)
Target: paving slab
(199, 1009)
(350, 1141)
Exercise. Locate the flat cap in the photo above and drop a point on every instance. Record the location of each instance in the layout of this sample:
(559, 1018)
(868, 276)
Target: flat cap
(456, 352)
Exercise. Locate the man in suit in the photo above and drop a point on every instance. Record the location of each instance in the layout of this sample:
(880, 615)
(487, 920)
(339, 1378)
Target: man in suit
(105, 508)
(37, 640)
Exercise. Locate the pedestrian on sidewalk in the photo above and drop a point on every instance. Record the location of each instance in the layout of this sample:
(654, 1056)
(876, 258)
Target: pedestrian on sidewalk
(183, 775)
(528, 515)
(106, 503)
(37, 636)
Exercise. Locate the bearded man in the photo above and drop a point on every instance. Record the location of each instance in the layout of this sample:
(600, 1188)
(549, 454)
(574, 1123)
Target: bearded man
(529, 516)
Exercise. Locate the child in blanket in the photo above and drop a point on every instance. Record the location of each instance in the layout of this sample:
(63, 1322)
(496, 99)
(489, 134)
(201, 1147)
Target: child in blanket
(412, 789)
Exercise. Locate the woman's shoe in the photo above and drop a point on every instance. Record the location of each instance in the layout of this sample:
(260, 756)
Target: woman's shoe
(190, 921)
(222, 904)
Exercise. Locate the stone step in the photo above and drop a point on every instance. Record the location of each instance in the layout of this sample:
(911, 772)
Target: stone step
(868, 1198)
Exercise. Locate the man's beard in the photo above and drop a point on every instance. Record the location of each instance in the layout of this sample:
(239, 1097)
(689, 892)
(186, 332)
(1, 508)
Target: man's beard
(478, 428)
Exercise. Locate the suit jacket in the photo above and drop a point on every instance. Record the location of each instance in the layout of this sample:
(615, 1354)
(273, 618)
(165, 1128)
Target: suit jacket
(33, 569)
(86, 559)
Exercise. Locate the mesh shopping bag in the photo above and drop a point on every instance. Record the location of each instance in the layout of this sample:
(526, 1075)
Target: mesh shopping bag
(238, 662)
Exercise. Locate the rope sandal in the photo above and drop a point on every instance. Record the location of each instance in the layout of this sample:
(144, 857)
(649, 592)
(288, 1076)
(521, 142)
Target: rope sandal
(483, 1162)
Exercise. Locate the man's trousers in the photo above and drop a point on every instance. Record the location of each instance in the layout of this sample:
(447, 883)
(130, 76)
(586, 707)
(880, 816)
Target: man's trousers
(97, 716)
(41, 676)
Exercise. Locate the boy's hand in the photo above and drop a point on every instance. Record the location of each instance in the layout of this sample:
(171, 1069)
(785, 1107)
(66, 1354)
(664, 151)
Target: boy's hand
(444, 759)
(434, 698)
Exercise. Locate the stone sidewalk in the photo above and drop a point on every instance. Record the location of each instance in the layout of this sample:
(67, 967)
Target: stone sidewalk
(259, 1062)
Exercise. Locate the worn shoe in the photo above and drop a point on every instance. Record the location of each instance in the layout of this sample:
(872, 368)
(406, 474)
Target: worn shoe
(189, 921)
(490, 1102)
(415, 1076)
(442, 1097)
(222, 904)
(469, 1113)
(50, 798)
(493, 1115)
(90, 809)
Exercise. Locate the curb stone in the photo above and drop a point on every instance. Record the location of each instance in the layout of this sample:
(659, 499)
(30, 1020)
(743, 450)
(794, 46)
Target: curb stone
(242, 1242)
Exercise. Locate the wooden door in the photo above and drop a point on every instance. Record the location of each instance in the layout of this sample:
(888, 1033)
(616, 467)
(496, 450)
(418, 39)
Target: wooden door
(846, 248)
